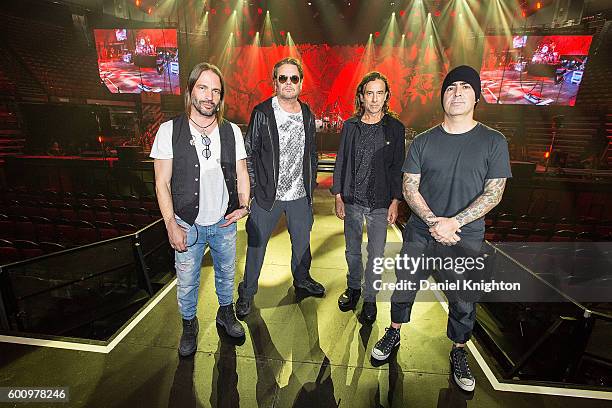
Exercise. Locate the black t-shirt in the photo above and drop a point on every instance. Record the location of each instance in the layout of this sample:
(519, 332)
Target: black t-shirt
(368, 141)
(453, 169)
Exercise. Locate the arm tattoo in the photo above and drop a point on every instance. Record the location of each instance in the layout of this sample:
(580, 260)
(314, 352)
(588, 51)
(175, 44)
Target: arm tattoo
(491, 196)
(415, 200)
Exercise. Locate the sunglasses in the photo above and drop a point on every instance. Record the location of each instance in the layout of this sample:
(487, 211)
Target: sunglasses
(206, 141)
(283, 78)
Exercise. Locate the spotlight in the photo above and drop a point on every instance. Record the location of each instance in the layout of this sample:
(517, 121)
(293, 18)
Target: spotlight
(437, 13)
(310, 3)
(538, 5)
(137, 3)
(376, 34)
(149, 10)
(213, 11)
(259, 10)
(402, 12)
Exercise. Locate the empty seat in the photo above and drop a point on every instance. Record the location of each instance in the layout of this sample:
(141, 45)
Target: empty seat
(126, 228)
(539, 235)
(106, 230)
(86, 213)
(517, 235)
(504, 221)
(526, 221)
(121, 215)
(103, 214)
(495, 234)
(51, 247)
(563, 236)
(24, 228)
(45, 229)
(28, 249)
(86, 232)
(8, 252)
(587, 236)
(7, 227)
(140, 216)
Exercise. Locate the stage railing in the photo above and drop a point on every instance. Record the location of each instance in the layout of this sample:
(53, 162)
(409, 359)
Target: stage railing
(85, 292)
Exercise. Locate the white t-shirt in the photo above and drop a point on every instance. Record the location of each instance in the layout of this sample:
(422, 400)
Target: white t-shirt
(291, 137)
(213, 191)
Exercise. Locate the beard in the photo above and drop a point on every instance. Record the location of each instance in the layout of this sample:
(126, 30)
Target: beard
(196, 103)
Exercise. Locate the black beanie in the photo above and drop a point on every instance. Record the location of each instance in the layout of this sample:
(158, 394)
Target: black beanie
(462, 73)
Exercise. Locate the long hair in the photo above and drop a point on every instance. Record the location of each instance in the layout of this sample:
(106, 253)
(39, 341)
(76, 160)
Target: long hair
(369, 77)
(193, 78)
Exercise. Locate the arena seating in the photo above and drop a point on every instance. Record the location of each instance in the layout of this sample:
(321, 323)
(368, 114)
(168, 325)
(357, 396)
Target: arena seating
(36, 223)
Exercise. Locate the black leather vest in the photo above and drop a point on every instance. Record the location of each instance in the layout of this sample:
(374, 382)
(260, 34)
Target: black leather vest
(185, 184)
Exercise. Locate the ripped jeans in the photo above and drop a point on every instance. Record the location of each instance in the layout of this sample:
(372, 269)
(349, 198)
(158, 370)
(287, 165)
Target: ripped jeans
(222, 244)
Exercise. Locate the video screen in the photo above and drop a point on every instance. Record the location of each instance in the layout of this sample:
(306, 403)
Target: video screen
(534, 70)
(139, 60)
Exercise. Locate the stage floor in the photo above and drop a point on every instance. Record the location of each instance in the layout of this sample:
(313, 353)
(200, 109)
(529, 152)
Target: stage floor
(296, 354)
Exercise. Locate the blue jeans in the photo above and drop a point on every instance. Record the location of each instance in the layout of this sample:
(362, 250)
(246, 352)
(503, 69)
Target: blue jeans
(222, 244)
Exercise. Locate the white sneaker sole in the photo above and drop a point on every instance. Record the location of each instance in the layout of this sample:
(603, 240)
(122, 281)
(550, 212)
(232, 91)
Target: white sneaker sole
(464, 387)
(381, 357)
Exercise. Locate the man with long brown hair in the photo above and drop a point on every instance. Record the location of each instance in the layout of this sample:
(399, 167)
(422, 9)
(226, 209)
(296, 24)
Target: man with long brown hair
(202, 186)
(368, 185)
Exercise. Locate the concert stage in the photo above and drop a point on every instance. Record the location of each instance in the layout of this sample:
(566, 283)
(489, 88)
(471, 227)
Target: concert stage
(298, 352)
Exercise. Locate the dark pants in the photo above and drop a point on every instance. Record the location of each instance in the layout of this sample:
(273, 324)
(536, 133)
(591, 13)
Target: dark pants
(259, 227)
(420, 244)
(376, 223)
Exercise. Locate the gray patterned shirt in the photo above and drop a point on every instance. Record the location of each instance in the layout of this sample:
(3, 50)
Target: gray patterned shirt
(291, 138)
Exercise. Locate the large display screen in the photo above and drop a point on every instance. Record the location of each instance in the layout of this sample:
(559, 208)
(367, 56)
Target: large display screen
(138, 60)
(534, 70)
(332, 74)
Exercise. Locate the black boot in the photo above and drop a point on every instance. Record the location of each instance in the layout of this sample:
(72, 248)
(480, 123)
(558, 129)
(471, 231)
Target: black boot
(244, 303)
(348, 300)
(368, 313)
(227, 319)
(311, 286)
(189, 339)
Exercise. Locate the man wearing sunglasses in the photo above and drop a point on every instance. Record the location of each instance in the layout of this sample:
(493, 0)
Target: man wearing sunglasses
(282, 158)
(202, 186)
(368, 186)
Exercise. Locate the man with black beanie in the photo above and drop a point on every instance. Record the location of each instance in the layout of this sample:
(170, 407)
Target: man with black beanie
(454, 174)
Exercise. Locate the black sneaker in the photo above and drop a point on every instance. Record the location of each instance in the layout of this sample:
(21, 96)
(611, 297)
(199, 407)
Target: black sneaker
(348, 300)
(461, 370)
(227, 319)
(368, 313)
(385, 346)
(189, 338)
(311, 286)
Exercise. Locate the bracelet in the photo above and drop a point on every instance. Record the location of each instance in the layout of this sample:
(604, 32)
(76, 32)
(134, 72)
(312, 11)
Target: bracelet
(245, 207)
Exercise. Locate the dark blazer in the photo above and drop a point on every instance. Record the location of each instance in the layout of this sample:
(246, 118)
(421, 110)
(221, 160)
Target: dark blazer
(387, 163)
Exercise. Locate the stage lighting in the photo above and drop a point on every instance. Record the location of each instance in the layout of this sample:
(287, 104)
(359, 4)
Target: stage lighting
(402, 12)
